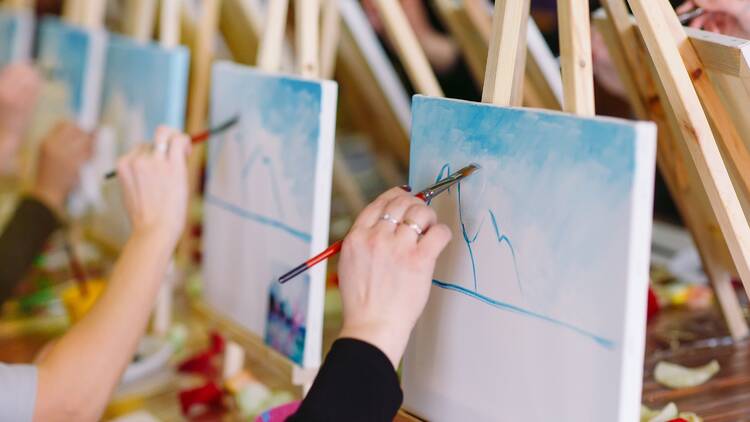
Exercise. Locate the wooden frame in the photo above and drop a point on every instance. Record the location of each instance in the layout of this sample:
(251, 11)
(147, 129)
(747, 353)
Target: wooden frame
(647, 98)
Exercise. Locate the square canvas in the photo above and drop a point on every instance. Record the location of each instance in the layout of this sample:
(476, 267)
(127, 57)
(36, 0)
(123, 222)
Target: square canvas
(144, 86)
(538, 305)
(16, 35)
(71, 60)
(267, 200)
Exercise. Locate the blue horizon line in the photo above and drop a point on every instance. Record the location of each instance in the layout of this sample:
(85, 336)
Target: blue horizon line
(601, 341)
(216, 201)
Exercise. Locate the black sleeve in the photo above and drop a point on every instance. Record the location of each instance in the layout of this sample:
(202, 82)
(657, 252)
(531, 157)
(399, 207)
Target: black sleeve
(357, 382)
(22, 240)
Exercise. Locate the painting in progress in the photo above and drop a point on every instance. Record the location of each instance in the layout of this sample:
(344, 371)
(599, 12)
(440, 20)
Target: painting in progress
(16, 35)
(537, 310)
(71, 60)
(267, 203)
(144, 86)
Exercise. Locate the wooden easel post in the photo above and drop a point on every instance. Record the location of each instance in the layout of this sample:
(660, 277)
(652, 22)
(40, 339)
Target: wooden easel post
(575, 57)
(307, 16)
(19, 4)
(625, 48)
(408, 49)
(501, 83)
(92, 13)
(269, 51)
(139, 19)
(72, 11)
(201, 60)
(329, 37)
(169, 23)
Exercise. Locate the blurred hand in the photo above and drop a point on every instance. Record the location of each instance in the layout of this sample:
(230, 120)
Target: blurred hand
(63, 152)
(19, 90)
(604, 68)
(386, 270)
(729, 17)
(155, 185)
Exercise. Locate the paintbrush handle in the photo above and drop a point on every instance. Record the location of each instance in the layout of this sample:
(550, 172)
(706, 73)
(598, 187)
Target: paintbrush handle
(329, 252)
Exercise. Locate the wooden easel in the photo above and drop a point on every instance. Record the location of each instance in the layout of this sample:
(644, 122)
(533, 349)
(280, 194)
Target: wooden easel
(19, 4)
(139, 19)
(688, 174)
(471, 25)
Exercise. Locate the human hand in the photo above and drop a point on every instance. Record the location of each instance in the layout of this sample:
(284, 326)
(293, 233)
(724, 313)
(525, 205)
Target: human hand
(386, 269)
(155, 185)
(19, 90)
(729, 17)
(62, 154)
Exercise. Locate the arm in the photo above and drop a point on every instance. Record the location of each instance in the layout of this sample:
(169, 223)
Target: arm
(385, 276)
(78, 375)
(64, 150)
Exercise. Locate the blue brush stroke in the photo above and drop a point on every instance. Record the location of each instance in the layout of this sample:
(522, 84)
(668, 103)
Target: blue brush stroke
(445, 171)
(606, 343)
(266, 221)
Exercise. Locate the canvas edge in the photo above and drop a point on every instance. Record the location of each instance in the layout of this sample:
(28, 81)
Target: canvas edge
(88, 116)
(634, 340)
(312, 355)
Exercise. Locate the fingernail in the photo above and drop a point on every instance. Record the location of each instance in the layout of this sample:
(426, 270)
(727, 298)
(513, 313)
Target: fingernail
(406, 188)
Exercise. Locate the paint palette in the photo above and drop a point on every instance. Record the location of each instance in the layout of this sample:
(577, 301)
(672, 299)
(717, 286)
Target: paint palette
(538, 305)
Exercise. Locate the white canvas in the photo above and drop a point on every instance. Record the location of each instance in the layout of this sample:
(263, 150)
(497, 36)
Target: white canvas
(537, 311)
(16, 35)
(267, 203)
(144, 87)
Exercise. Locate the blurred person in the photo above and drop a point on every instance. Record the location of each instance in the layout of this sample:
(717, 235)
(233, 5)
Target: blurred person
(728, 17)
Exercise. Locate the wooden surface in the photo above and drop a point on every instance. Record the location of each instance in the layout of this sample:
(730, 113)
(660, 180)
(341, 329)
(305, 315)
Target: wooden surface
(307, 32)
(269, 51)
(508, 30)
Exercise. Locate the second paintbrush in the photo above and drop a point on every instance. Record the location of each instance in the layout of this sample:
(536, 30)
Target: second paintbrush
(196, 139)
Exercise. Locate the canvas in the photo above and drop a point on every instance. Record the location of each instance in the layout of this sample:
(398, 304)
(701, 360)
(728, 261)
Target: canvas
(267, 203)
(144, 86)
(16, 34)
(537, 310)
(71, 60)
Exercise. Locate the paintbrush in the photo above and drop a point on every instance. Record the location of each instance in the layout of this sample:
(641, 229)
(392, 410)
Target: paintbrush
(426, 195)
(686, 17)
(197, 139)
(75, 265)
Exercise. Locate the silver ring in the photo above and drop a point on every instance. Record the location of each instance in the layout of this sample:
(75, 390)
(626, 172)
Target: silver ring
(414, 226)
(387, 217)
(160, 148)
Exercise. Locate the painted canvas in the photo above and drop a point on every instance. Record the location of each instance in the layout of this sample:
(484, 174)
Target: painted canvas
(267, 201)
(144, 86)
(537, 310)
(16, 35)
(71, 60)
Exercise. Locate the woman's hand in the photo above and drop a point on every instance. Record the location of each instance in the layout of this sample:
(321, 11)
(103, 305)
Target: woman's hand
(155, 185)
(63, 152)
(729, 17)
(386, 270)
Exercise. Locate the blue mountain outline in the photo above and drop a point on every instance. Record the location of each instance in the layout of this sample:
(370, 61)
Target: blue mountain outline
(474, 294)
(256, 157)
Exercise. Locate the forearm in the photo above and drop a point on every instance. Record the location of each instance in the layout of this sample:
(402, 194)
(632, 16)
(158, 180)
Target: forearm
(81, 370)
(22, 240)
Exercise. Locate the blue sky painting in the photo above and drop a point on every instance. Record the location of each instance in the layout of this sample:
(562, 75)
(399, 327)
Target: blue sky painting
(16, 31)
(541, 258)
(267, 203)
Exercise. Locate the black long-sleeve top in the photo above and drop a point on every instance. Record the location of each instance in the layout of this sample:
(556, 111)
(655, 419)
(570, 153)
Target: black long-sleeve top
(357, 382)
(22, 240)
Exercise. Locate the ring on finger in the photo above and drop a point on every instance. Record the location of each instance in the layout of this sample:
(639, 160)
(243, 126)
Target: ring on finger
(389, 218)
(160, 148)
(414, 226)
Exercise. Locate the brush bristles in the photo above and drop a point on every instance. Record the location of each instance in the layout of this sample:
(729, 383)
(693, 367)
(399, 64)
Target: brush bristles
(469, 170)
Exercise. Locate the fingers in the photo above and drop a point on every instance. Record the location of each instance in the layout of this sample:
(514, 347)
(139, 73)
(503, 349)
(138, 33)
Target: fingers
(373, 212)
(434, 241)
(179, 148)
(394, 211)
(685, 7)
(162, 141)
(417, 221)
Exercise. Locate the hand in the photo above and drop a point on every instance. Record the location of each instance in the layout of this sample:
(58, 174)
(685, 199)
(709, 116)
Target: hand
(155, 185)
(605, 71)
(386, 271)
(63, 152)
(19, 89)
(729, 17)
